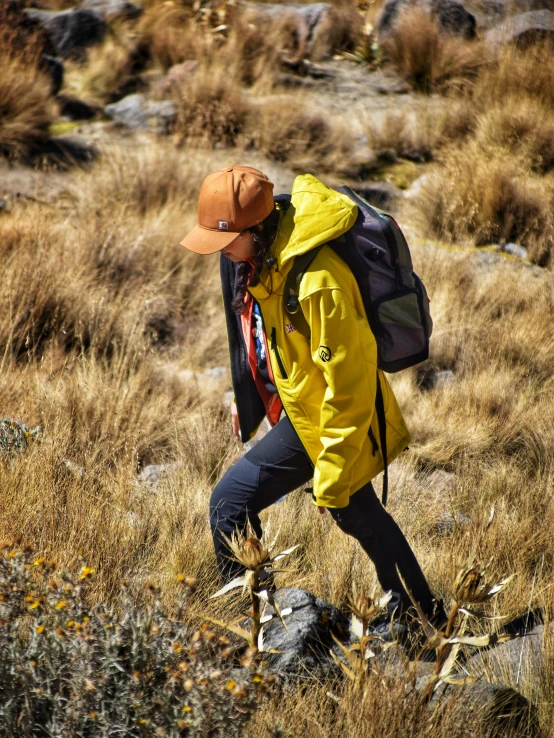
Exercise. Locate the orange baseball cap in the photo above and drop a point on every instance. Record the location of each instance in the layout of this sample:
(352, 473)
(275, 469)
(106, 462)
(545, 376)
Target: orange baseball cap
(231, 200)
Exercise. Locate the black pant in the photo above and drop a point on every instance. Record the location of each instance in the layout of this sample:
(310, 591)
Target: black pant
(277, 465)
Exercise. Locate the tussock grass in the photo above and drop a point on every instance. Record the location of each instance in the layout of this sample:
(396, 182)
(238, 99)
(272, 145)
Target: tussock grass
(427, 58)
(26, 107)
(211, 109)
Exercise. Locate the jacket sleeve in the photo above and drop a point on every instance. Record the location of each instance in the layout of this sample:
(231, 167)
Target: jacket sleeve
(344, 349)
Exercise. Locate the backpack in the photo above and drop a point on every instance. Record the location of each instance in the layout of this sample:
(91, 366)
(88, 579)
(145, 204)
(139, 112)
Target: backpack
(394, 297)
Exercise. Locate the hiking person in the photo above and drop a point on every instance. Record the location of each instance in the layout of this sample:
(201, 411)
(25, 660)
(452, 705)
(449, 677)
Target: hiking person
(318, 393)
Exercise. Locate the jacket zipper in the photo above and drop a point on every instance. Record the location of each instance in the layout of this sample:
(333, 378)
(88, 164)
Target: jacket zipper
(274, 348)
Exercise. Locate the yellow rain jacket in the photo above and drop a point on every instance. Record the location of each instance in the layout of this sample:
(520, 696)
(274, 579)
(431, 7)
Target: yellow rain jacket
(327, 384)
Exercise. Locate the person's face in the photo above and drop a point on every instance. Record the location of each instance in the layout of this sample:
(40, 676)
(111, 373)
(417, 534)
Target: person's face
(241, 249)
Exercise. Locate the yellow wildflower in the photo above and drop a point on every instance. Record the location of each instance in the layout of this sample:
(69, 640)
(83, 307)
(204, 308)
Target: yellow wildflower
(34, 605)
(70, 624)
(86, 572)
(60, 605)
(40, 629)
(39, 561)
(177, 648)
(258, 679)
(186, 708)
(180, 577)
(231, 684)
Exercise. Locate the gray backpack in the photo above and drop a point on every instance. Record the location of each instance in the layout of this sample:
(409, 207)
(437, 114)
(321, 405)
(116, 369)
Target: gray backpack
(394, 297)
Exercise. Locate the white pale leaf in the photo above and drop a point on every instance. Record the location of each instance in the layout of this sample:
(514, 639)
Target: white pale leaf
(450, 661)
(261, 640)
(356, 627)
(266, 618)
(385, 599)
(475, 614)
(491, 516)
(238, 582)
(286, 552)
(262, 594)
(369, 654)
(499, 587)
(286, 611)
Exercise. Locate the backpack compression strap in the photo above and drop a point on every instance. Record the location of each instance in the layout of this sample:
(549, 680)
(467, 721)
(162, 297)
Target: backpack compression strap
(380, 408)
(292, 288)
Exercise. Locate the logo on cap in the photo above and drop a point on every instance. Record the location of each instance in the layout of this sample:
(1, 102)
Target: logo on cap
(223, 225)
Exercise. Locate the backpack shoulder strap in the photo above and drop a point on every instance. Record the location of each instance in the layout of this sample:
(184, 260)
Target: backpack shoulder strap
(381, 419)
(300, 266)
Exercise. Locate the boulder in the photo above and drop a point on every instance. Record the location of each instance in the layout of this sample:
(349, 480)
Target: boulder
(314, 26)
(135, 111)
(523, 29)
(70, 31)
(306, 643)
(110, 10)
(522, 660)
(492, 710)
(451, 15)
(153, 475)
(54, 69)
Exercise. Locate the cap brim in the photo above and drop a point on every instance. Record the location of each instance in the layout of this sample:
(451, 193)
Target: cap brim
(204, 241)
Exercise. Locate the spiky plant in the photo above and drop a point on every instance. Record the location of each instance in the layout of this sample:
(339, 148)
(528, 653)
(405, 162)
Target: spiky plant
(470, 587)
(256, 555)
(365, 608)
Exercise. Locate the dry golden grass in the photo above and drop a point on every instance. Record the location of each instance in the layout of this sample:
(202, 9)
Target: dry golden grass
(104, 319)
(26, 107)
(428, 59)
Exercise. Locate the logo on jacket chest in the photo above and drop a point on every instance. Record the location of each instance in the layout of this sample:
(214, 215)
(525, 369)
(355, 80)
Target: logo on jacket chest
(289, 328)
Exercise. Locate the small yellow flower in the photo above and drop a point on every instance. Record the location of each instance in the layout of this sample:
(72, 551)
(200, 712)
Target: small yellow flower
(186, 708)
(92, 715)
(231, 684)
(180, 577)
(34, 605)
(70, 624)
(86, 619)
(60, 632)
(29, 598)
(60, 605)
(86, 572)
(177, 648)
(40, 629)
(39, 561)
(258, 679)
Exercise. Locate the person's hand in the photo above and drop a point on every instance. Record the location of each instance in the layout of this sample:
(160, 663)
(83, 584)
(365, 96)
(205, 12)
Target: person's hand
(235, 419)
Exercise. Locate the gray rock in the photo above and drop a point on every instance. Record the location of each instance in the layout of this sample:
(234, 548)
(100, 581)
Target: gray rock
(523, 29)
(54, 69)
(305, 645)
(516, 661)
(111, 10)
(70, 31)
(441, 483)
(515, 250)
(135, 111)
(429, 378)
(454, 18)
(493, 710)
(451, 15)
(16, 437)
(449, 522)
(154, 474)
(312, 23)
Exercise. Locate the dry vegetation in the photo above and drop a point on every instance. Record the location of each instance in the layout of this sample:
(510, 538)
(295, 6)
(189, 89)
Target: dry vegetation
(104, 320)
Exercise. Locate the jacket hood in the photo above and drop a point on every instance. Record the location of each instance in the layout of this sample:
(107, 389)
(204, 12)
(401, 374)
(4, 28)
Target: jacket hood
(317, 214)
